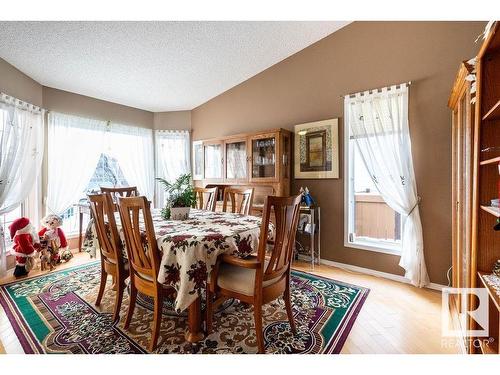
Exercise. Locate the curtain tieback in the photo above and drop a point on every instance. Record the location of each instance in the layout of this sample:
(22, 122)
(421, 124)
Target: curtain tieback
(415, 206)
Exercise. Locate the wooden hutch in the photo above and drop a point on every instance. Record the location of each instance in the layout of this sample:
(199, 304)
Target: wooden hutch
(475, 101)
(260, 160)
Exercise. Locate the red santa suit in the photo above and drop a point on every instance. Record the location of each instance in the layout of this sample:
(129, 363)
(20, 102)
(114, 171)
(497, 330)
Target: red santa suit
(25, 242)
(54, 235)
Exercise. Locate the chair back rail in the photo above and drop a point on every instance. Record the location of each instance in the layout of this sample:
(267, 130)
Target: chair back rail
(211, 198)
(102, 207)
(142, 248)
(241, 200)
(117, 192)
(286, 212)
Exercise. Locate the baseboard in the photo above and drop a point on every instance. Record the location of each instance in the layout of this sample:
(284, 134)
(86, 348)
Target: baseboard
(368, 271)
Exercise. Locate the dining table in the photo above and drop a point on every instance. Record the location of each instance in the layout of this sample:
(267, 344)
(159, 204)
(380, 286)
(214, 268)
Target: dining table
(189, 250)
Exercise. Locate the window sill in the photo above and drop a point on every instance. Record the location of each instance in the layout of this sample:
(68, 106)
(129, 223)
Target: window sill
(370, 246)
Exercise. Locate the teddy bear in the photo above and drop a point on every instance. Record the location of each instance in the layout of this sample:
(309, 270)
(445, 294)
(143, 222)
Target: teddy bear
(53, 238)
(26, 242)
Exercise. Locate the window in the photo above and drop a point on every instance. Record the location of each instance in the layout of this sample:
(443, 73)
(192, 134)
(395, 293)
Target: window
(21, 146)
(173, 158)
(370, 223)
(107, 174)
(6, 220)
(85, 154)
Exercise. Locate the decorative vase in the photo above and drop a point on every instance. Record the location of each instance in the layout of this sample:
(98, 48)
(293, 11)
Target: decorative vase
(179, 213)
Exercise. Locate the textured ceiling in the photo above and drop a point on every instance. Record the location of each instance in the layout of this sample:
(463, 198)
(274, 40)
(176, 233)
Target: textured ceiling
(156, 66)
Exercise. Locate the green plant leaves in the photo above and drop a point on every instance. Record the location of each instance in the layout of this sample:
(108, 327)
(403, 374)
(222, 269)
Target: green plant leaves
(180, 192)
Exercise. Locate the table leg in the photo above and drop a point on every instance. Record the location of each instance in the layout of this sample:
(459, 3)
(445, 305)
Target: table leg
(194, 332)
(80, 224)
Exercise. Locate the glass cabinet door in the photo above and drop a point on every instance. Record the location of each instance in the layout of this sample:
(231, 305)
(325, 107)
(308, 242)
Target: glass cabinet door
(286, 156)
(213, 160)
(264, 157)
(236, 160)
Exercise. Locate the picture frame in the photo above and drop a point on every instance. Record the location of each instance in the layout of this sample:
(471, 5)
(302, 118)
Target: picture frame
(317, 149)
(198, 160)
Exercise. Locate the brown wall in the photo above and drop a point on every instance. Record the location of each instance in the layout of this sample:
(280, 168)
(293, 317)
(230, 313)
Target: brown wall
(17, 84)
(80, 105)
(307, 87)
(177, 120)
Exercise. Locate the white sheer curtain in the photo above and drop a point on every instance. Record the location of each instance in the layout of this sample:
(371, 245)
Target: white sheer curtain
(21, 153)
(173, 158)
(378, 123)
(133, 148)
(74, 147)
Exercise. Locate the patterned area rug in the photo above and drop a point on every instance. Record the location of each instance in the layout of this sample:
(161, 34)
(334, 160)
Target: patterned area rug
(55, 313)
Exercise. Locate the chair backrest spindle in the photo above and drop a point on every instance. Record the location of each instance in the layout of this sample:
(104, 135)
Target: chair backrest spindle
(140, 239)
(211, 198)
(102, 207)
(286, 212)
(241, 200)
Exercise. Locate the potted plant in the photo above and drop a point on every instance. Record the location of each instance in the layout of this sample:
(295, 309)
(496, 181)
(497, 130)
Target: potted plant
(181, 197)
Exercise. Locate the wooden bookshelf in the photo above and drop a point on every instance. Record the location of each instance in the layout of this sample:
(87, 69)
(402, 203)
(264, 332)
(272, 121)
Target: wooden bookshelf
(493, 113)
(494, 297)
(476, 127)
(490, 161)
(490, 348)
(485, 240)
(495, 211)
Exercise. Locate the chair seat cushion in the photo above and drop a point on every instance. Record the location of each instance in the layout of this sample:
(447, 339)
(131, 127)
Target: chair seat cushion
(145, 276)
(240, 280)
(113, 261)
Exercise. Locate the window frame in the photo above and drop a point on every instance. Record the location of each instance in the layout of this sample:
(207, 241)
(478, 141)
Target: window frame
(22, 206)
(379, 246)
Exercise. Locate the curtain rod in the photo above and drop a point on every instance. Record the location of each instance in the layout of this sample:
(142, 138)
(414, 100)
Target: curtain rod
(20, 103)
(375, 90)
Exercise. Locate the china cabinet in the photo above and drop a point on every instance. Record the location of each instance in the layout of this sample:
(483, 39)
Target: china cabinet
(259, 160)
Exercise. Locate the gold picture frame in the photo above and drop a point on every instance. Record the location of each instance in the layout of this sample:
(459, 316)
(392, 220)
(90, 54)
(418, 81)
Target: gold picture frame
(317, 149)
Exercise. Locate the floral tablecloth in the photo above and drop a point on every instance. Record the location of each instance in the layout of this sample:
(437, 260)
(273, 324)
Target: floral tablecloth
(190, 248)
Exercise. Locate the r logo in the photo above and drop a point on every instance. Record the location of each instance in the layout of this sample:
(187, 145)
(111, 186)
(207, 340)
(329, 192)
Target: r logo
(479, 316)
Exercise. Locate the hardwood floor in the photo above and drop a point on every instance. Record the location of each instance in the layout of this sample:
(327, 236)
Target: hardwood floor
(396, 318)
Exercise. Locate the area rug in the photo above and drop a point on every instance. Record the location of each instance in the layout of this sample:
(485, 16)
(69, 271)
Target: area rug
(55, 313)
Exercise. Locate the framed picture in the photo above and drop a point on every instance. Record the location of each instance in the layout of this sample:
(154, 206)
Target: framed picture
(317, 149)
(198, 159)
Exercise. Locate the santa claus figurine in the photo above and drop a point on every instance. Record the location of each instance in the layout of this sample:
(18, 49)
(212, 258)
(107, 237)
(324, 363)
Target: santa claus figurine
(26, 240)
(53, 236)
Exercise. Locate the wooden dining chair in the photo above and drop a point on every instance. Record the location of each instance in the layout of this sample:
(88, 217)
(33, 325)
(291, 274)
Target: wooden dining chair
(241, 200)
(112, 260)
(116, 192)
(257, 280)
(144, 259)
(211, 198)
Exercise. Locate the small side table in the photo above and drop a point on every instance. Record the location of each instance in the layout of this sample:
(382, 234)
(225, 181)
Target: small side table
(309, 223)
(83, 208)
